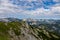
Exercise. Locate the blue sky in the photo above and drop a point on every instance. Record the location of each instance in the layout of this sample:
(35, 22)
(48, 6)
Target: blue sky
(36, 9)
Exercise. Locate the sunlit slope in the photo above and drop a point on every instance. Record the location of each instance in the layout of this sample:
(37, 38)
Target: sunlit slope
(22, 31)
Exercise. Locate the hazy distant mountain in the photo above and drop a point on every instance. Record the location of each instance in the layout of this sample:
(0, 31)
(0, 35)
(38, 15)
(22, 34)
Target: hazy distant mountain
(9, 19)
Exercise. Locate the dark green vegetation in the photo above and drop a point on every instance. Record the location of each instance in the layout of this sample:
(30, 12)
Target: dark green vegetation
(22, 31)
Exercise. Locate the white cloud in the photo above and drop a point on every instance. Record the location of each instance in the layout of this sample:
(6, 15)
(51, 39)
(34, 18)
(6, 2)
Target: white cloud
(6, 8)
(42, 11)
(56, 0)
(28, 0)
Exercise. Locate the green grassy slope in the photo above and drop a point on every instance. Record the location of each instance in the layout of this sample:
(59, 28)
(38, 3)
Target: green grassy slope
(22, 31)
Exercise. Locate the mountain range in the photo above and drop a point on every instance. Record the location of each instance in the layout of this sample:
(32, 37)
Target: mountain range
(29, 29)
